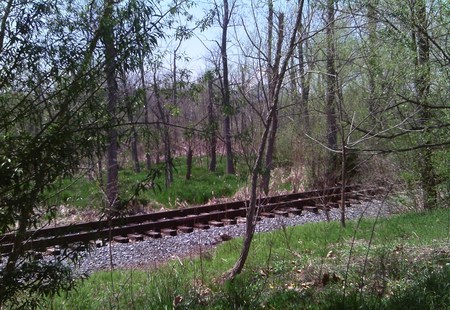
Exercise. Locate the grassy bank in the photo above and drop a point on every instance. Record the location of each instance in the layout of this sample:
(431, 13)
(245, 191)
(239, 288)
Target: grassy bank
(204, 185)
(398, 263)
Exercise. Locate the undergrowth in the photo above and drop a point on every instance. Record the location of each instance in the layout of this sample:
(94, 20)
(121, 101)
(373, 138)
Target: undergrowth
(147, 187)
(407, 266)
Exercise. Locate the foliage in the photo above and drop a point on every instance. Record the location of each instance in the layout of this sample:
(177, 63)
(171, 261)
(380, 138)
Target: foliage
(53, 111)
(203, 186)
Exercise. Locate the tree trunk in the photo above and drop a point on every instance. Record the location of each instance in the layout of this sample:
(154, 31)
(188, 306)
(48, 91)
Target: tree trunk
(226, 90)
(331, 97)
(168, 165)
(304, 84)
(427, 171)
(212, 126)
(273, 80)
(270, 151)
(133, 135)
(189, 156)
(112, 189)
(252, 208)
(372, 60)
(148, 159)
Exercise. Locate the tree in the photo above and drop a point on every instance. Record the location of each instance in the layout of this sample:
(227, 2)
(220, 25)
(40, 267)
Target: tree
(400, 88)
(46, 131)
(257, 168)
(226, 104)
(55, 60)
(112, 185)
(331, 93)
(212, 123)
(422, 86)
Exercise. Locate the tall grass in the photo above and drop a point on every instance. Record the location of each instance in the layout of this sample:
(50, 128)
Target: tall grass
(203, 186)
(295, 268)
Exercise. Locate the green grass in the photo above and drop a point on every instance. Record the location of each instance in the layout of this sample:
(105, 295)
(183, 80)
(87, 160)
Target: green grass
(203, 185)
(407, 267)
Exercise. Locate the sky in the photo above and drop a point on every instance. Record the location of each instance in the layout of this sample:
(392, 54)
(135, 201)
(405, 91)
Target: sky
(196, 47)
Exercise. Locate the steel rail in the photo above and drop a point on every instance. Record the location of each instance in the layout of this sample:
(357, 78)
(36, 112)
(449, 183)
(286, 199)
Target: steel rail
(84, 232)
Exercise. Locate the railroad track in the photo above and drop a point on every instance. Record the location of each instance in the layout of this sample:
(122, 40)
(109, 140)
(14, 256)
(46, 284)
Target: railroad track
(154, 225)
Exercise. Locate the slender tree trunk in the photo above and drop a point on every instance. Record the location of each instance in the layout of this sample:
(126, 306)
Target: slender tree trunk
(343, 174)
(134, 134)
(226, 90)
(427, 171)
(212, 126)
(331, 95)
(273, 80)
(372, 60)
(270, 151)
(168, 165)
(304, 84)
(99, 162)
(112, 189)
(148, 159)
(252, 207)
(189, 156)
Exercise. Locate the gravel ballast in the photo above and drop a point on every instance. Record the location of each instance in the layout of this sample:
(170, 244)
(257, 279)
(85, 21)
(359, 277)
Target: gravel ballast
(152, 252)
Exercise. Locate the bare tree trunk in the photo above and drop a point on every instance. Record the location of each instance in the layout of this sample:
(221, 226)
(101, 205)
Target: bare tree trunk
(133, 135)
(226, 90)
(331, 95)
(168, 170)
(112, 189)
(252, 207)
(372, 59)
(189, 156)
(212, 125)
(304, 84)
(343, 174)
(100, 163)
(273, 79)
(427, 171)
(148, 160)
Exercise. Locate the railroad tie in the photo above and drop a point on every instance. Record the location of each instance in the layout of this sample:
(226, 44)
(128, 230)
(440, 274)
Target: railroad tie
(169, 232)
(201, 226)
(229, 221)
(294, 211)
(121, 239)
(153, 234)
(267, 214)
(312, 209)
(215, 223)
(185, 229)
(282, 213)
(135, 237)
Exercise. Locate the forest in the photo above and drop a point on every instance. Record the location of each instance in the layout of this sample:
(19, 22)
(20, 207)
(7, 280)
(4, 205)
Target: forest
(310, 94)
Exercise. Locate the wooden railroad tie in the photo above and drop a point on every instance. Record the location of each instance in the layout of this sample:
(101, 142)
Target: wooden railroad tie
(153, 234)
(215, 223)
(135, 237)
(121, 239)
(282, 213)
(312, 209)
(185, 229)
(169, 232)
(267, 214)
(201, 226)
(294, 211)
(229, 221)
